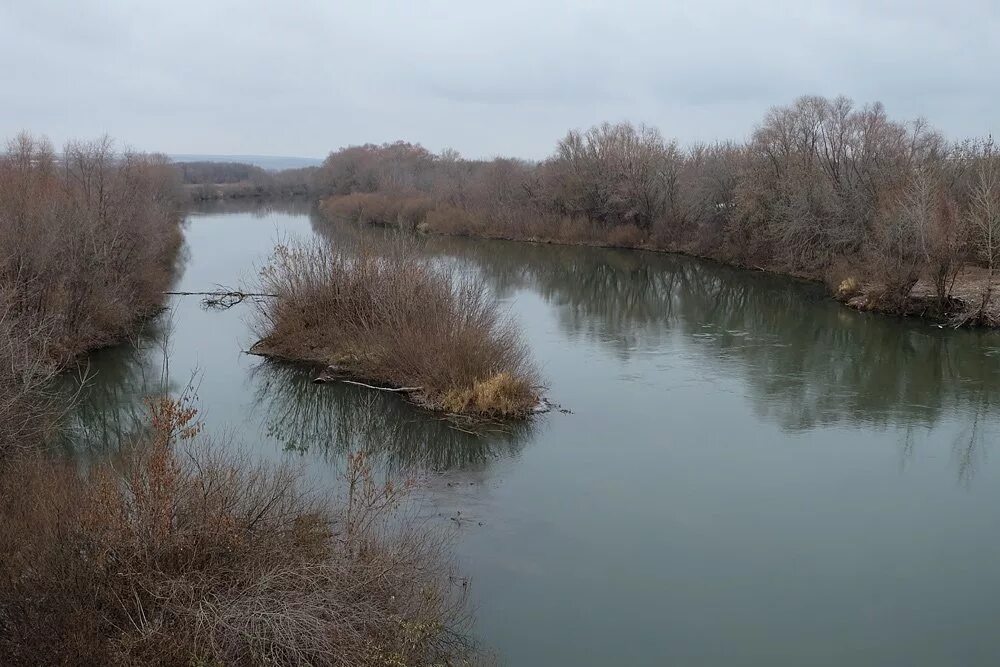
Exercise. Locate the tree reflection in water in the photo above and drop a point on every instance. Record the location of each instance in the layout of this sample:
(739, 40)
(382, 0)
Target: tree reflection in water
(336, 418)
(805, 360)
(109, 393)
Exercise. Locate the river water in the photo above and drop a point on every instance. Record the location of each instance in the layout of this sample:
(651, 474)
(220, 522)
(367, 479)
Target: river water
(750, 474)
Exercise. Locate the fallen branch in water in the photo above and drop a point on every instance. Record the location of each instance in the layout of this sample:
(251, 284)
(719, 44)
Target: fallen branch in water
(400, 390)
(335, 374)
(223, 299)
(220, 293)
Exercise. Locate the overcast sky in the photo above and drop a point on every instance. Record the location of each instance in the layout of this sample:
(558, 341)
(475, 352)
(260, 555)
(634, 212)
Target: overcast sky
(500, 78)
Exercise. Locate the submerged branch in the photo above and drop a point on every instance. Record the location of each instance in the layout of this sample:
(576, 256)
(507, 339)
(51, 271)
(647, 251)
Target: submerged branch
(222, 299)
(401, 390)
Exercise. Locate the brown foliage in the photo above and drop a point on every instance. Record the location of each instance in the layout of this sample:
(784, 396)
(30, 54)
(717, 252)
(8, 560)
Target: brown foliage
(238, 180)
(625, 236)
(390, 316)
(398, 210)
(27, 405)
(188, 555)
(820, 182)
(87, 243)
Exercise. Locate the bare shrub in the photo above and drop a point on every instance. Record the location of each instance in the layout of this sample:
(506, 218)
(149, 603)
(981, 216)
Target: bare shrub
(27, 405)
(575, 231)
(447, 219)
(189, 555)
(821, 182)
(87, 243)
(395, 318)
(615, 174)
(395, 210)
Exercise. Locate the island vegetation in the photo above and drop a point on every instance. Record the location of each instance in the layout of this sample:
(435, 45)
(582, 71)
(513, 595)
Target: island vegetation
(387, 316)
(889, 214)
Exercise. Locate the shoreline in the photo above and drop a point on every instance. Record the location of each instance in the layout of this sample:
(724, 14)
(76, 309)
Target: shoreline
(862, 299)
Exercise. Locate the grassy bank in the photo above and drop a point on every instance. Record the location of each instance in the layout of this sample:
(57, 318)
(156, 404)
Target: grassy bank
(388, 317)
(890, 215)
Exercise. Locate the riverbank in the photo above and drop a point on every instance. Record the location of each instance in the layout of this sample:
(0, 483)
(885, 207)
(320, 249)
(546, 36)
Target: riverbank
(963, 306)
(843, 194)
(90, 244)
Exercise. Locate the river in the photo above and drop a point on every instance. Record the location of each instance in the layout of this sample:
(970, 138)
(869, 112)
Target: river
(749, 474)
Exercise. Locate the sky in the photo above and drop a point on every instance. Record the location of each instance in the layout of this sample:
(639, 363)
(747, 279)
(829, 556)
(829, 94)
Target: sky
(304, 77)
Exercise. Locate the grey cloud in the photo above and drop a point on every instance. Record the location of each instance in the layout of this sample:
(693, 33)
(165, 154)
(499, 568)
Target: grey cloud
(486, 78)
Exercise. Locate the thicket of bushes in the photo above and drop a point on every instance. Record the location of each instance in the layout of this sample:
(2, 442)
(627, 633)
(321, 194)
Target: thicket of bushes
(88, 241)
(389, 316)
(822, 189)
(189, 554)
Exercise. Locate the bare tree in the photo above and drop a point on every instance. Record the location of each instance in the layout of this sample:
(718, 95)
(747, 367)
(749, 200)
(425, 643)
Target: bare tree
(984, 217)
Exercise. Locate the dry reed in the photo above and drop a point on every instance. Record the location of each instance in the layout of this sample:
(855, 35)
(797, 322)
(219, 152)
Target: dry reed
(389, 316)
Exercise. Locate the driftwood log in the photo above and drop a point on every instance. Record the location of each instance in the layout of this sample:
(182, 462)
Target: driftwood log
(400, 390)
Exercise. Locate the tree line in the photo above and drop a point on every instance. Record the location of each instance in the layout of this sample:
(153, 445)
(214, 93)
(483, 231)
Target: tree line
(205, 180)
(891, 214)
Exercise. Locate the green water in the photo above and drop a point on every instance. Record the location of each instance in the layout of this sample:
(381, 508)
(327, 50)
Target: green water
(750, 475)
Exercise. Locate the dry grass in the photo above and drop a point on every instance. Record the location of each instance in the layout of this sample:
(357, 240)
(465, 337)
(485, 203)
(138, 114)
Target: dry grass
(501, 394)
(186, 555)
(389, 316)
(422, 213)
(626, 236)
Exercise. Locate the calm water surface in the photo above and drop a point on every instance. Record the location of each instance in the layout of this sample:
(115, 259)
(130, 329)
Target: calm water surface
(751, 474)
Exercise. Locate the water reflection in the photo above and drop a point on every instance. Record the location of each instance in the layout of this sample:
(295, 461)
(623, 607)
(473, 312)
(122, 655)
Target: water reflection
(109, 392)
(258, 208)
(805, 360)
(738, 438)
(332, 419)
(329, 420)
(802, 361)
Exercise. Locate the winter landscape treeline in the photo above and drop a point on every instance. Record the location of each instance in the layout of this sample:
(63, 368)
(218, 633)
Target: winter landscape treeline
(890, 214)
(207, 180)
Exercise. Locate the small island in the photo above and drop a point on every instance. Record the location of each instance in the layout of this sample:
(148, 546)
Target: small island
(389, 319)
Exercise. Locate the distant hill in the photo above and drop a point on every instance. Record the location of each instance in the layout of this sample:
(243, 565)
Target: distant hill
(269, 162)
